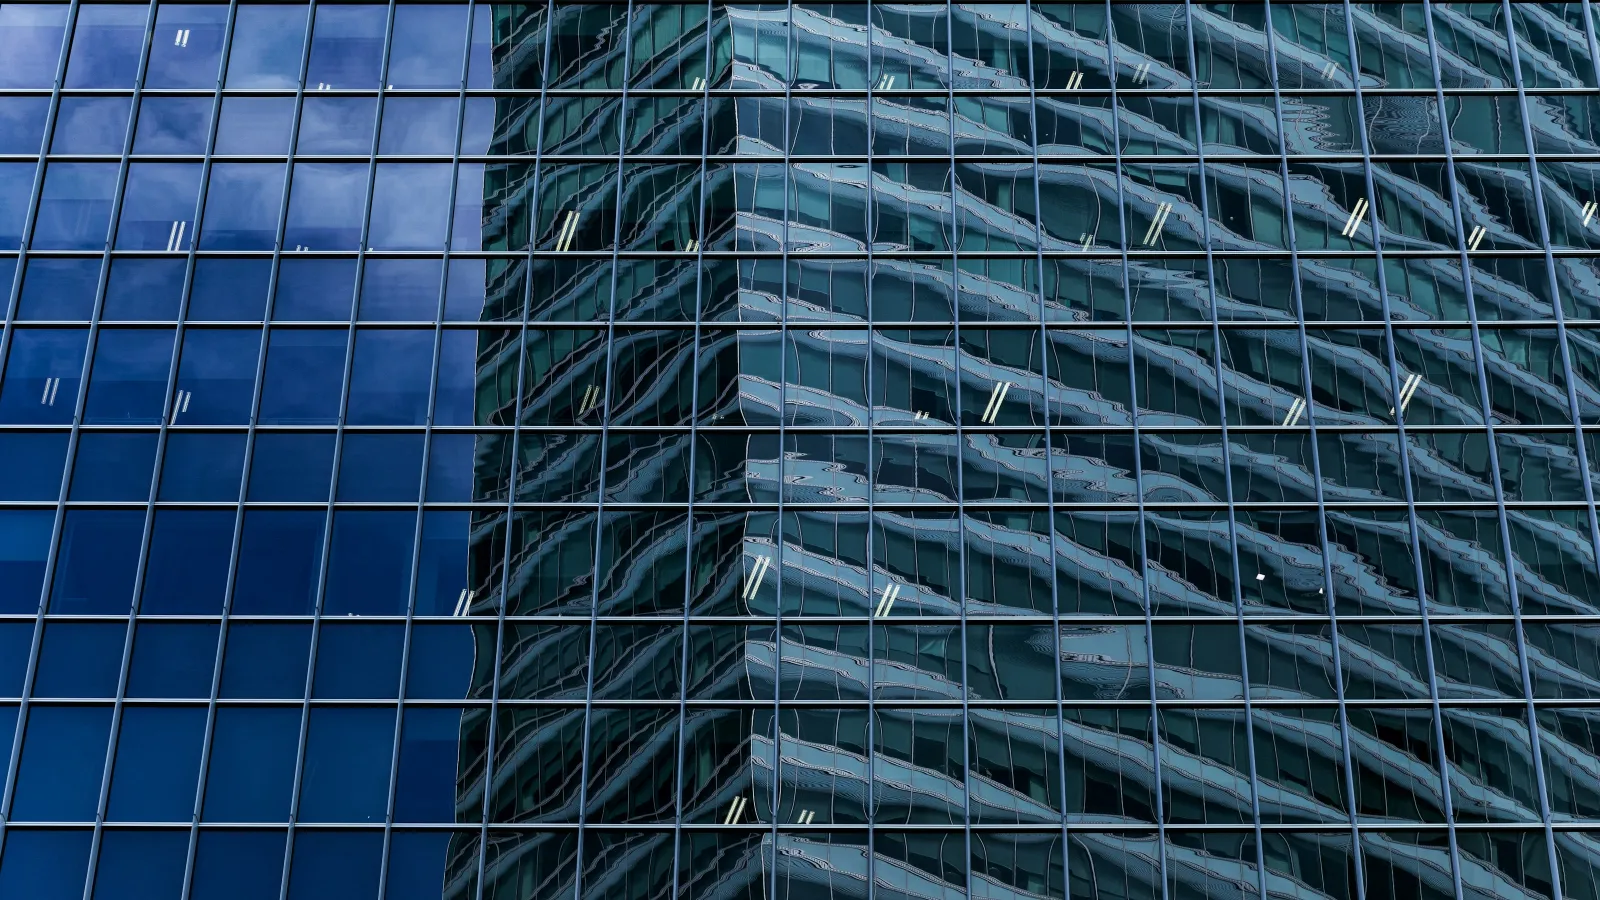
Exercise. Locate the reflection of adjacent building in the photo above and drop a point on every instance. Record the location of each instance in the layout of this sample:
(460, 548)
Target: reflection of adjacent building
(1328, 726)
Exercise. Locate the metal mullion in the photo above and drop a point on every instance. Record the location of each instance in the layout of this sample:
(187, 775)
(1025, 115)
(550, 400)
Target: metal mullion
(869, 804)
(13, 767)
(790, 212)
(113, 737)
(1358, 866)
(1227, 456)
(1443, 768)
(1049, 457)
(587, 770)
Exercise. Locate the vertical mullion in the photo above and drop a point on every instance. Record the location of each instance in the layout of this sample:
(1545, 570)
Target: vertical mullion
(869, 802)
(791, 190)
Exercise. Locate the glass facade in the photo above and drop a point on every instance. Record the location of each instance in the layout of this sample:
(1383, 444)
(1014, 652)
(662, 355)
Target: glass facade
(799, 450)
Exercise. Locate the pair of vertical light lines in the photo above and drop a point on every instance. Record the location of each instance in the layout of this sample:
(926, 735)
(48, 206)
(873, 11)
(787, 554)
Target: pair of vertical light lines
(737, 808)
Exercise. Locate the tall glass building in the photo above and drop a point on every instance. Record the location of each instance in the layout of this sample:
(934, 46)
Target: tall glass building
(799, 451)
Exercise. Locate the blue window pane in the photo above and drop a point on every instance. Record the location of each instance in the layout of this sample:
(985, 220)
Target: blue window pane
(8, 730)
(59, 288)
(442, 570)
(337, 126)
(158, 206)
(369, 570)
(97, 561)
(280, 559)
(255, 125)
(440, 665)
(30, 43)
(16, 645)
(31, 465)
(173, 659)
(265, 661)
(291, 467)
(358, 661)
(400, 289)
(80, 659)
(63, 757)
(378, 467)
(106, 45)
(75, 208)
(242, 206)
(430, 741)
(347, 765)
(465, 289)
(417, 861)
(144, 289)
(24, 548)
(388, 381)
(347, 46)
(8, 272)
(336, 865)
(458, 378)
(238, 865)
(450, 466)
(186, 46)
(173, 125)
(157, 766)
(113, 466)
(305, 373)
(422, 126)
(22, 120)
(128, 382)
(141, 865)
(44, 865)
(267, 44)
(91, 125)
(203, 467)
(427, 46)
(188, 569)
(315, 290)
(228, 290)
(410, 206)
(326, 205)
(16, 185)
(216, 379)
(42, 374)
(251, 775)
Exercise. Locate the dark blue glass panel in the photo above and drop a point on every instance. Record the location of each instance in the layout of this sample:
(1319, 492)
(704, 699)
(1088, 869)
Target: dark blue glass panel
(157, 766)
(291, 467)
(113, 465)
(430, 741)
(16, 645)
(16, 187)
(337, 126)
(442, 570)
(336, 865)
(80, 659)
(30, 43)
(347, 46)
(416, 865)
(358, 661)
(63, 757)
(31, 465)
(203, 467)
(242, 206)
(251, 775)
(304, 377)
(464, 290)
(22, 121)
(8, 730)
(91, 125)
(441, 662)
(280, 561)
(97, 561)
(173, 125)
(144, 289)
(255, 125)
(388, 379)
(106, 45)
(8, 271)
(315, 290)
(369, 571)
(238, 865)
(186, 46)
(347, 765)
(24, 549)
(401, 289)
(158, 206)
(267, 46)
(141, 865)
(326, 206)
(410, 206)
(43, 369)
(229, 290)
(378, 467)
(188, 569)
(424, 126)
(426, 47)
(218, 373)
(44, 865)
(265, 660)
(75, 207)
(173, 659)
(450, 467)
(59, 288)
(128, 381)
